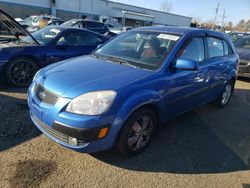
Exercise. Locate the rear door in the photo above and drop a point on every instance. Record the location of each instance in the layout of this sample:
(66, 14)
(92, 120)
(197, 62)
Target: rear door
(217, 63)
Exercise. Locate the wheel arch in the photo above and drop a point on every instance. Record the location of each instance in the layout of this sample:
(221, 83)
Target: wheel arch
(147, 99)
(32, 57)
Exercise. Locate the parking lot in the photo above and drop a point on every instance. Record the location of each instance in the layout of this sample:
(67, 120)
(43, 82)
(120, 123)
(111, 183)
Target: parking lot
(205, 147)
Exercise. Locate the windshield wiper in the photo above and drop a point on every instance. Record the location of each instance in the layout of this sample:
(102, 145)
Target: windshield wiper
(121, 61)
(114, 59)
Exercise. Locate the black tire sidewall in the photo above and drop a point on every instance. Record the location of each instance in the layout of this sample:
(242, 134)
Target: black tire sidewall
(10, 66)
(122, 144)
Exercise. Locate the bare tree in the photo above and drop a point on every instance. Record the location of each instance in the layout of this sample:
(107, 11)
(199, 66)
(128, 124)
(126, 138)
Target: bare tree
(248, 25)
(166, 6)
(229, 26)
(196, 19)
(241, 26)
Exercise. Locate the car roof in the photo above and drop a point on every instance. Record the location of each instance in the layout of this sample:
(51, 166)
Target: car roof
(181, 30)
(77, 20)
(63, 28)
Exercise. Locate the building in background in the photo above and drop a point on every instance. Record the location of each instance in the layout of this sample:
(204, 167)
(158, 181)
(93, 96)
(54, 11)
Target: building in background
(102, 10)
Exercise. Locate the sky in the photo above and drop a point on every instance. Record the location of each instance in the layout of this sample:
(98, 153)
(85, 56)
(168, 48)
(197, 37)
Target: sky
(205, 9)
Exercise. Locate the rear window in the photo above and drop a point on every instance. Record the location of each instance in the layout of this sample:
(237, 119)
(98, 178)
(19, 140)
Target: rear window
(215, 47)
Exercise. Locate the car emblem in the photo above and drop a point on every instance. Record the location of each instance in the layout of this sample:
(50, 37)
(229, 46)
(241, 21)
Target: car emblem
(42, 95)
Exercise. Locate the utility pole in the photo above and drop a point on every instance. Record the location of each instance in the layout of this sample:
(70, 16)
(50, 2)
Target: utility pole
(79, 10)
(223, 19)
(216, 14)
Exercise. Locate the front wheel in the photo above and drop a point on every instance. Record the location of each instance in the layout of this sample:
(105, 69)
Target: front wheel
(20, 71)
(226, 95)
(137, 132)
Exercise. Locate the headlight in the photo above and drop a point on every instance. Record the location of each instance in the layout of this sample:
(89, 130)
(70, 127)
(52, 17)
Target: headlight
(93, 103)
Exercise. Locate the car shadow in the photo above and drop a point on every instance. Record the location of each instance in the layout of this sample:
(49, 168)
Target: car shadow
(10, 89)
(16, 126)
(205, 140)
(244, 79)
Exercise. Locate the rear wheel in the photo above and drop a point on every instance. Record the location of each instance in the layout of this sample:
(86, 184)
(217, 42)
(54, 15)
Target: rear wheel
(137, 132)
(20, 71)
(226, 95)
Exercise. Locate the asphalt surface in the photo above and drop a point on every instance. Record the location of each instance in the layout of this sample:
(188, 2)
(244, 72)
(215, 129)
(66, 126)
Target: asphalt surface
(207, 147)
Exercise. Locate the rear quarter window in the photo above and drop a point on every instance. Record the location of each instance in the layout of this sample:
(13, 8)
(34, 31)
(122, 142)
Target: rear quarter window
(227, 48)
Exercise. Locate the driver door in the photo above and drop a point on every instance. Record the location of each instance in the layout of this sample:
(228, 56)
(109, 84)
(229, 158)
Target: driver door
(188, 87)
(72, 44)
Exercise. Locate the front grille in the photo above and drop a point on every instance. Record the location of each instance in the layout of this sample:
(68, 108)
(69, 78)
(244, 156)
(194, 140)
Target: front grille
(45, 95)
(54, 133)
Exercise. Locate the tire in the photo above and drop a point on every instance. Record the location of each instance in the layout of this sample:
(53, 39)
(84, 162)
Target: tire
(223, 100)
(133, 139)
(20, 71)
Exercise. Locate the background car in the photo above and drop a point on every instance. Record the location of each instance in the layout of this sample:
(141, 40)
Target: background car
(236, 35)
(22, 54)
(242, 46)
(42, 21)
(132, 84)
(91, 25)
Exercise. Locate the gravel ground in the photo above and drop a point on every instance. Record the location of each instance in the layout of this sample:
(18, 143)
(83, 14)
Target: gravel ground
(207, 147)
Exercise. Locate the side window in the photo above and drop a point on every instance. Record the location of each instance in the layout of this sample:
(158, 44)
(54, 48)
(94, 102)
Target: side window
(215, 47)
(194, 50)
(226, 50)
(230, 50)
(70, 39)
(88, 39)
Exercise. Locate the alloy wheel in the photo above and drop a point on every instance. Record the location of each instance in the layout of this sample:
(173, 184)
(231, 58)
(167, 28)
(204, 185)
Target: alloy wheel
(140, 132)
(226, 94)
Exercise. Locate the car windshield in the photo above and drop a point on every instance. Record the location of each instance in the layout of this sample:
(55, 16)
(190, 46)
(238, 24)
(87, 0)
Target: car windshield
(143, 49)
(243, 43)
(44, 35)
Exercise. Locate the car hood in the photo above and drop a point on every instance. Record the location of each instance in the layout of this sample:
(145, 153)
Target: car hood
(13, 25)
(73, 77)
(243, 53)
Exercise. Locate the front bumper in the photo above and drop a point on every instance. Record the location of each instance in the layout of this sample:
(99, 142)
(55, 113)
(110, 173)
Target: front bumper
(244, 69)
(61, 126)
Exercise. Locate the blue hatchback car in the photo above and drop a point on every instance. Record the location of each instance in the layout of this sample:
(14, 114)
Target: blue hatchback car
(118, 95)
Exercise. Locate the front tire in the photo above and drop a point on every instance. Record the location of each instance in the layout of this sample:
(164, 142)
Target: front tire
(137, 132)
(223, 100)
(20, 71)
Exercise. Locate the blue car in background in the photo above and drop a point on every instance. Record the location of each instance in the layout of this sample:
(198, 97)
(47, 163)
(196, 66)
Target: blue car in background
(121, 93)
(22, 54)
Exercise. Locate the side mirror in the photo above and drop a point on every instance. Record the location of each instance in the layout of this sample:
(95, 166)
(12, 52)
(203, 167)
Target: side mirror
(186, 64)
